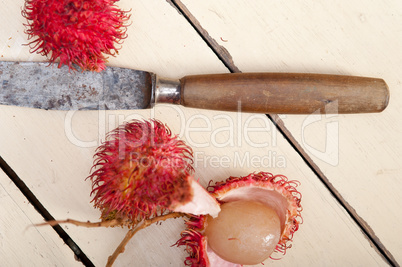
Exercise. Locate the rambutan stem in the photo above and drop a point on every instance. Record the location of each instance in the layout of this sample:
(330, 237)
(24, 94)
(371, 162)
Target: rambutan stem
(132, 232)
(87, 224)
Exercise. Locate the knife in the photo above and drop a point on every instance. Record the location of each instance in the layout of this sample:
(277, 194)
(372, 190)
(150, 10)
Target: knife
(38, 85)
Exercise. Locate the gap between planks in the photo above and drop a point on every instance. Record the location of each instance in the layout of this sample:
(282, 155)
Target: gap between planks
(80, 255)
(223, 54)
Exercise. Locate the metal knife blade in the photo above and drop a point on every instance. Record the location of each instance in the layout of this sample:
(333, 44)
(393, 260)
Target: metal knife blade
(38, 85)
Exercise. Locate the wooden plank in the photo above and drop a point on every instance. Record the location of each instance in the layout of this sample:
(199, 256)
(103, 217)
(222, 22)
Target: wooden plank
(327, 231)
(22, 244)
(52, 152)
(359, 155)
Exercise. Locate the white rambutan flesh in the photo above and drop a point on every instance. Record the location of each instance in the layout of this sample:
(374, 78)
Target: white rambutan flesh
(245, 232)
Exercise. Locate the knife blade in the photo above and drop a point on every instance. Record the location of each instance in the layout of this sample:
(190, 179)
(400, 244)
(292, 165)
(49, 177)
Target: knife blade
(38, 85)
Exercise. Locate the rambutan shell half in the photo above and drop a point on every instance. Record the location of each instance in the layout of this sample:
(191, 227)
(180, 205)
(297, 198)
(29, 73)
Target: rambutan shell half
(273, 191)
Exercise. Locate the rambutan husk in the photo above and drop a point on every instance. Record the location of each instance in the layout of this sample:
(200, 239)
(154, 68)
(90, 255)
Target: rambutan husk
(81, 32)
(274, 191)
(142, 171)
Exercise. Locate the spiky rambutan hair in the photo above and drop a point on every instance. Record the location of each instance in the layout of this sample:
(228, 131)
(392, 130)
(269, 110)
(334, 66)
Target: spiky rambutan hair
(141, 171)
(78, 32)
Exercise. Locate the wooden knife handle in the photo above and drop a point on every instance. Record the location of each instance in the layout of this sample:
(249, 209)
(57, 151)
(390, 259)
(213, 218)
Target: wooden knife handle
(285, 93)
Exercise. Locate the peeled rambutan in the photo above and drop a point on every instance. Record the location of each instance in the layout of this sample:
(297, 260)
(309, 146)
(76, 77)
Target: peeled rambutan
(141, 171)
(78, 32)
(259, 215)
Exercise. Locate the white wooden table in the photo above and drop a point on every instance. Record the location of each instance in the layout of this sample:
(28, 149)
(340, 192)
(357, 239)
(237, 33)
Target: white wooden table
(349, 166)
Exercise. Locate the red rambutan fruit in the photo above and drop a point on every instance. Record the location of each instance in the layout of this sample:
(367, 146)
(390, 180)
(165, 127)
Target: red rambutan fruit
(142, 171)
(139, 171)
(77, 32)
